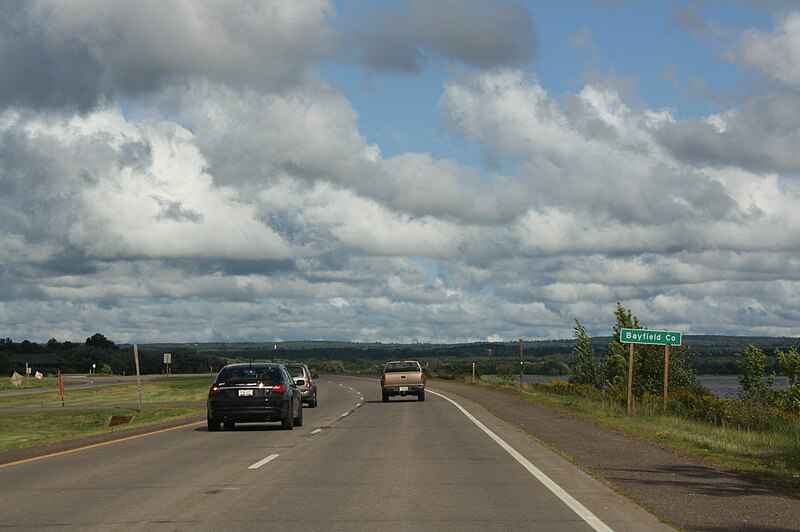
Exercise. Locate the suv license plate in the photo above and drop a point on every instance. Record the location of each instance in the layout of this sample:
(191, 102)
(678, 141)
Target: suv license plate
(243, 393)
(404, 388)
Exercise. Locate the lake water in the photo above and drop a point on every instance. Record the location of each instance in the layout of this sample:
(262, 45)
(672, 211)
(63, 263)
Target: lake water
(726, 386)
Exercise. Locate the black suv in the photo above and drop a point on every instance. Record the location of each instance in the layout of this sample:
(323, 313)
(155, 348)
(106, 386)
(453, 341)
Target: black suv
(252, 393)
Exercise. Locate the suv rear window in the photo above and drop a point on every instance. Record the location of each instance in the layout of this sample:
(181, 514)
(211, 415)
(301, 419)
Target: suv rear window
(398, 367)
(267, 375)
(296, 371)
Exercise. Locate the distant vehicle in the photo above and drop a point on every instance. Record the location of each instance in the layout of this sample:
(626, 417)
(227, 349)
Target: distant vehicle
(305, 382)
(254, 393)
(402, 377)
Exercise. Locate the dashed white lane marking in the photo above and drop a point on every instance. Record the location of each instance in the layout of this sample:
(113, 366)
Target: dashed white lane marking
(258, 464)
(345, 414)
(557, 490)
(316, 431)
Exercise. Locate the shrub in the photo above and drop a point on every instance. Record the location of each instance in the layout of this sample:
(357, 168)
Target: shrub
(504, 373)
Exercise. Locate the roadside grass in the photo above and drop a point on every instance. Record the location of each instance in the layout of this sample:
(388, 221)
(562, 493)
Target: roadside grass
(160, 390)
(32, 382)
(21, 430)
(44, 421)
(771, 455)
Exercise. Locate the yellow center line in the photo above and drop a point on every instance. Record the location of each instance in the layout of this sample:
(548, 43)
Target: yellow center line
(9, 464)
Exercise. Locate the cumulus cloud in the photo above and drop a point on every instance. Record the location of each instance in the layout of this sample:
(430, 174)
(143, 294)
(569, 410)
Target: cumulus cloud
(479, 33)
(75, 54)
(182, 171)
(591, 152)
(774, 55)
(106, 188)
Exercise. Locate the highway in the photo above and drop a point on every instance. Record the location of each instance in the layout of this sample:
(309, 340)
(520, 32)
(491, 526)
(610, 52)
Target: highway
(356, 464)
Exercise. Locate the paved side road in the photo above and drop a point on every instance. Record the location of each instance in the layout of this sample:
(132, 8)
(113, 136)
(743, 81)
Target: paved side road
(688, 492)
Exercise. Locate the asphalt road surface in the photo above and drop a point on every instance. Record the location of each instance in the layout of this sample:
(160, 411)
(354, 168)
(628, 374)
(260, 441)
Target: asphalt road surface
(356, 464)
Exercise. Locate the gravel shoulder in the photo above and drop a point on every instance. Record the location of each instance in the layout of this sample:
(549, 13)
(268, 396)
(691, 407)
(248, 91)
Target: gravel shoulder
(688, 492)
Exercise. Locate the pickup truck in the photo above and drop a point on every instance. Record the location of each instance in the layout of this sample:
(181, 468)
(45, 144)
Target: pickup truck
(403, 377)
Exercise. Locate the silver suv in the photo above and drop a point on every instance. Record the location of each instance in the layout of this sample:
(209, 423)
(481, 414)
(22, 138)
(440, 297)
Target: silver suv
(305, 382)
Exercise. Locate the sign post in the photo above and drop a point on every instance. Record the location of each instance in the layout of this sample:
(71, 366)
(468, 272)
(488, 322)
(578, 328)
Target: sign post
(644, 336)
(167, 361)
(138, 376)
(521, 366)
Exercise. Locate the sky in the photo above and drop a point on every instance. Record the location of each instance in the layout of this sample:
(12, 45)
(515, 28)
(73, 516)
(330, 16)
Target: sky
(400, 171)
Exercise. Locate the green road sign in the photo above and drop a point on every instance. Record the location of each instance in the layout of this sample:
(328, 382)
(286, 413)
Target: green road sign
(643, 336)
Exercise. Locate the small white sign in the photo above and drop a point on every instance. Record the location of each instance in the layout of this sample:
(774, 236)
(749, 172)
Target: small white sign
(38, 375)
(16, 379)
(167, 358)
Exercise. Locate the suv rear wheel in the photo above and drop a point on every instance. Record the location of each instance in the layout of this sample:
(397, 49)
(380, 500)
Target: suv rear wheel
(213, 424)
(288, 423)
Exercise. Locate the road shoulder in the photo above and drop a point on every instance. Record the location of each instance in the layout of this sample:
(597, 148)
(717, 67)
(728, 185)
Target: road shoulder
(690, 492)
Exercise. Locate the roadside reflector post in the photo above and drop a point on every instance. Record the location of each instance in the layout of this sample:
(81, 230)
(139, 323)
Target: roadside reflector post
(521, 366)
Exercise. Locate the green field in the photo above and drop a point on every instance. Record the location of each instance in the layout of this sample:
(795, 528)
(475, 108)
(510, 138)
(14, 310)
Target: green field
(27, 384)
(87, 411)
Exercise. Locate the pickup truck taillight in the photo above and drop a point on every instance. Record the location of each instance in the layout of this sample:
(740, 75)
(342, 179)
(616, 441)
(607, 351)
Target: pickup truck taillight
(383, 378)
(422, 377)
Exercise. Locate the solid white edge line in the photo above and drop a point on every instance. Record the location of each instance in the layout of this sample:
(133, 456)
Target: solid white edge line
(557, 490)
(258, 464)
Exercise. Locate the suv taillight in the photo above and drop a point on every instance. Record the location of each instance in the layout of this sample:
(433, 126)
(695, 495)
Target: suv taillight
(214, 390)
(280, 388)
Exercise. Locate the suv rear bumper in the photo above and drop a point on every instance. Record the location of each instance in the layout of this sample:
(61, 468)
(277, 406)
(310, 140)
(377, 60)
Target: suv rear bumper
(243, 414)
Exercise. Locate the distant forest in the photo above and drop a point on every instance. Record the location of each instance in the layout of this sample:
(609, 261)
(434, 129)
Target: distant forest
(709, 354)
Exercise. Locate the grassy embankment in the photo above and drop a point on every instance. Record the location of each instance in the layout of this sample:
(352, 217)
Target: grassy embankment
(771, 453)
(87, 411)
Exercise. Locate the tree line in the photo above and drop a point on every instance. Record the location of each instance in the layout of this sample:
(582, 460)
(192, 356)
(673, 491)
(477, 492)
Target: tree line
(109, 357)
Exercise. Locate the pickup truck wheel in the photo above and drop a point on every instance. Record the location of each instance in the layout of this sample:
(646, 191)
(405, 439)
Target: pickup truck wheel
(421, 396)
(385, 397)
